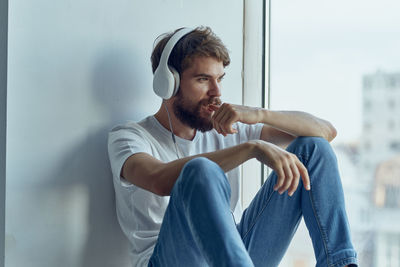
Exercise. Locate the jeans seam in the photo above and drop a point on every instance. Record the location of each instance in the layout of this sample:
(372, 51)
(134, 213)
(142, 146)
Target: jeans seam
(153, 257)
(305, 159)
(258, 216)
(320, 228)
(323, 235)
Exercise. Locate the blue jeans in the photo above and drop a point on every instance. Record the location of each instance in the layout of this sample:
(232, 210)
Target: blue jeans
(198, 228)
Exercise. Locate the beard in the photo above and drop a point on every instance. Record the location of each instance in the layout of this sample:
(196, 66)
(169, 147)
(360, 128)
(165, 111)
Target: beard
(189, 113)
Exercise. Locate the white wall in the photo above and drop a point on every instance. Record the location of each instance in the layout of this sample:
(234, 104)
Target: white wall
(75, 69)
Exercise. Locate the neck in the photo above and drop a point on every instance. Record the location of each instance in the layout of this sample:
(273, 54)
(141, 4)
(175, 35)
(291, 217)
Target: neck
(179, 129)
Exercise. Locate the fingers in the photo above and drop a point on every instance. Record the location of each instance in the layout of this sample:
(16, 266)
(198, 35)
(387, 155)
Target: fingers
(289, 174)
(295, 183)
(214, 107)
(281, 178)
(226, 124)
(288, 179)
(216, 126)
(304, 175)
(224, 118)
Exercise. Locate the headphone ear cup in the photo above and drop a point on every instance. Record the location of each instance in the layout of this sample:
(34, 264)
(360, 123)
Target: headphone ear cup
(177, 79)
(164, 82)
(166, 79)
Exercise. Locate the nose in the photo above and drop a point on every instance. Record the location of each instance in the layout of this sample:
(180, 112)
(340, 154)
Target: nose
(215, 88)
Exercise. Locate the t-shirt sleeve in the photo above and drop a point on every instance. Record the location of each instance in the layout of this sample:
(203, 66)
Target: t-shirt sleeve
(249, 132)
(123, 142)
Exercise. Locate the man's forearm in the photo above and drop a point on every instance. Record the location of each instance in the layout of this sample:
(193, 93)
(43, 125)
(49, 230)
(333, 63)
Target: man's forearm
(228, 159)
(298, 123)
(151, 174)
(292, 123)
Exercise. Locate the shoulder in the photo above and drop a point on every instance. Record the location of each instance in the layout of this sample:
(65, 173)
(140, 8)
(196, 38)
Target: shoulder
(131, 128)
(129, 133)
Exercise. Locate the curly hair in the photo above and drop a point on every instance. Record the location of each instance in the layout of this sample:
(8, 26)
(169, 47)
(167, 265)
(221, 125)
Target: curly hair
(202, 42)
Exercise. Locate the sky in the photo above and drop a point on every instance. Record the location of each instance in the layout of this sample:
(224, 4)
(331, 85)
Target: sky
(320, 51)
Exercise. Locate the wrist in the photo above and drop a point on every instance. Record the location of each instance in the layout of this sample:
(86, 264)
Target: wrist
(254, 146)
(265, 114)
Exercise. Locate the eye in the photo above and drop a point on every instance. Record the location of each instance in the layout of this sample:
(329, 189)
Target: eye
(202, 79)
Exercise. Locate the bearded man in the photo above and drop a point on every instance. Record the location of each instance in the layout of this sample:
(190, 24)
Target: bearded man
(176, 173)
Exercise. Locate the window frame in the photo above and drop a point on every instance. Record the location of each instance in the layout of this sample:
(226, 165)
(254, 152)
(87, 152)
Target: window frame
(255, 81)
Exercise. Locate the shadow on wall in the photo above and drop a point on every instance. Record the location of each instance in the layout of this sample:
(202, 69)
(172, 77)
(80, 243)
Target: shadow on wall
(116, 83)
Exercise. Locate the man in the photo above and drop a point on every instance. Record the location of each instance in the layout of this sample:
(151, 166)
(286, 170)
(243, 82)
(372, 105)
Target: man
(177, 182)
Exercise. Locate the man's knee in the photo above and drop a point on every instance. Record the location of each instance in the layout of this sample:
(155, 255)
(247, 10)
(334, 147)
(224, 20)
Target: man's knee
(202, 172)
(310, 145)
(311, 140)
(199, 164)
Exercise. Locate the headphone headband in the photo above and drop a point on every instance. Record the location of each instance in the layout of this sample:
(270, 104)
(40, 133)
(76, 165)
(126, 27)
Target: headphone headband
(171, 44)
(166, 79)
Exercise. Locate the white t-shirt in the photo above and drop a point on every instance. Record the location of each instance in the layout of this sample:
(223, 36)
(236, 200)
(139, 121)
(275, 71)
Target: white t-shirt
(139, 211)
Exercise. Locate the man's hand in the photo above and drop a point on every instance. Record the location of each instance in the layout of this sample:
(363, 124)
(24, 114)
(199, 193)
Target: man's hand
(227, 114)
(286, 165)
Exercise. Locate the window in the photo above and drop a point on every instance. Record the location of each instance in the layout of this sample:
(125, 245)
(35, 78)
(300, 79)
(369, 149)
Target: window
(367, 105)
(392, 199)
(367, 83)
(335, 60)
(390, 125)
(395, 145)
(367, 126)
(391, 104)
(392, 83)
(367, 146)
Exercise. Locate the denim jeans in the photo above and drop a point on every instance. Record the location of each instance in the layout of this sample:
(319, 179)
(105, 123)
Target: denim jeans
(198, 228)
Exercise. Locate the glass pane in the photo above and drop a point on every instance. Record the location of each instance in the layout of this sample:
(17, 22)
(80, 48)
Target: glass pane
(340, 60)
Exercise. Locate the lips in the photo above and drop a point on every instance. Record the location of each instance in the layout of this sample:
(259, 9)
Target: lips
(217, 102)
(212, 101)
(208, 108)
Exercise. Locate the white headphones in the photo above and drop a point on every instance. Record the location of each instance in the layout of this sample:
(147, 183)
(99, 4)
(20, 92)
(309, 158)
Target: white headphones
(166, 78)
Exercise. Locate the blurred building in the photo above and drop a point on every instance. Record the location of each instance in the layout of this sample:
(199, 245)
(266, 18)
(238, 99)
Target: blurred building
(370, 172)
(379, 170)
(381, 119)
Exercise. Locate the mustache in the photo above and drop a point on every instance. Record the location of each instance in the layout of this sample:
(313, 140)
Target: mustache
(212, 101)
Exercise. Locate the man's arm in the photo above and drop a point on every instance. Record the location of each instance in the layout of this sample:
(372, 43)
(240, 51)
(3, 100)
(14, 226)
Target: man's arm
(155, 176)
(280, 127)
(149, 173)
